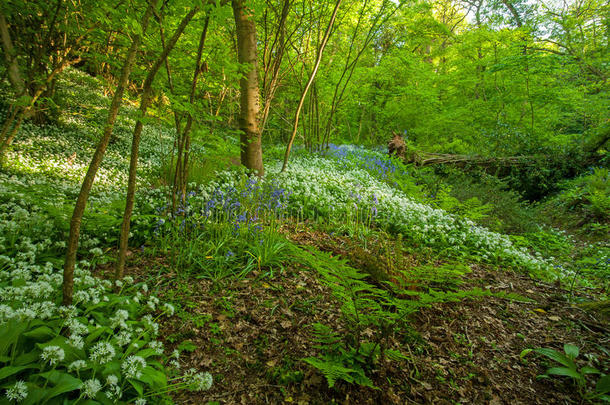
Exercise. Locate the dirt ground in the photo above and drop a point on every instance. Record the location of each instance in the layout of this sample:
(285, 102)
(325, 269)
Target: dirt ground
(253, 334)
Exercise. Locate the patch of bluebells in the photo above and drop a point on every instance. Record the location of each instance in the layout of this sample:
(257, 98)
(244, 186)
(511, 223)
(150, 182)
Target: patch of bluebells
(377, 163)
(244, 205)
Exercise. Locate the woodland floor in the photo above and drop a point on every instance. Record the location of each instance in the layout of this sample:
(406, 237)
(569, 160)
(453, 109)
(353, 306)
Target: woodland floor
(252, 334)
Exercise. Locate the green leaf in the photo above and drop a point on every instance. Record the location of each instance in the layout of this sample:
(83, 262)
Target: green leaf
(557, 356)
(36, 395)
(9, 371)
(154, 378)
(93, 336)
(524, 353)
(138, 386)
(603, 385)
(188, 346)
(571, 351)
(334, 370)
(9, 334)
(395, 355)
(146, 353)
(63, 382)
(589, 370)
(41, 333)
(568, 372)
(113, 367)
(26, 358)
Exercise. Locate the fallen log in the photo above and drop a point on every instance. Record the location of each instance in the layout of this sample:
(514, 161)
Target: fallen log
(420, 158)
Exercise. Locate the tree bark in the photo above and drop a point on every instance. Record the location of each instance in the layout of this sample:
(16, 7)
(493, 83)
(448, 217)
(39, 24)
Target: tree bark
(309, 82)
(272, 61)
(380, 17)
(145, 101)
(96, 160)
(12, 67)
(19, 113)
(250, 138)
(184, 139)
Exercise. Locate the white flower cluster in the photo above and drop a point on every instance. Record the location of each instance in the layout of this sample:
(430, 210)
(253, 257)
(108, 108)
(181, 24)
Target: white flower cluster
(113, 392)
(91, 387)
(17, 392)
(132, 366)
(53, 354)
(102, 353)
(198, 381)
(318, 183)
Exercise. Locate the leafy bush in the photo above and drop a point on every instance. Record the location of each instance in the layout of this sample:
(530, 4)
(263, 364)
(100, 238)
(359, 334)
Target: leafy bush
(508, 213)
(588, 195)
(371, 314)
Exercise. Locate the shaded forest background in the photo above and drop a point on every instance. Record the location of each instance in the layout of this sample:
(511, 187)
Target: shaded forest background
(492, 78)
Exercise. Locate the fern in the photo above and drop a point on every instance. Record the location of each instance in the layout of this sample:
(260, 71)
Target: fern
(334, 369)
(384, 309)
(364, 306)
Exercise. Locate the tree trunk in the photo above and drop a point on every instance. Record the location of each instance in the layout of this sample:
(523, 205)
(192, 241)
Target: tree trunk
(96, 160)
(184, 139)
(272, 62)
(145, 102)
(309, 82)
(19, 113)
(250, 138)
(12, 67)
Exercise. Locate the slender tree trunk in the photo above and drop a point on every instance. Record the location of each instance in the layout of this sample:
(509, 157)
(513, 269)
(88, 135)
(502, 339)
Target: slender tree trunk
(19, 113)
(309, 82)
(184, 139)
(511, 8)
(381, 16)
(96, 160)
(273, 63)
(177, 122)
(12, 67)
(250, 138)
(145, 102)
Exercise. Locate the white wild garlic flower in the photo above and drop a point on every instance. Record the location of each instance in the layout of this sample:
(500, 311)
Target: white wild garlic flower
(102, 353)
(132, 366)
(53, 354)
(17, 392)
(91, 387)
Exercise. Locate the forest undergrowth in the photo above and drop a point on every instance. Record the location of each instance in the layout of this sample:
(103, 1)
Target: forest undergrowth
(349, 278)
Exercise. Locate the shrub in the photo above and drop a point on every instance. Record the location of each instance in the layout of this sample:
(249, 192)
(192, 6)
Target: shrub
(588, 195)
